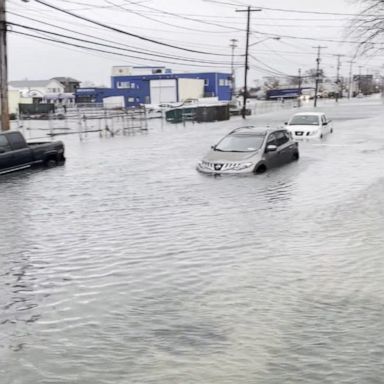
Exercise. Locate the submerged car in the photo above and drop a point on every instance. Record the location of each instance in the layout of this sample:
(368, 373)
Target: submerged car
(309, 125)
(250, 149)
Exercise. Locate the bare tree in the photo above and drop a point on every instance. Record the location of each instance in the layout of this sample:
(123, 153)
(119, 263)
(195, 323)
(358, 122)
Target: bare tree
(368, 27)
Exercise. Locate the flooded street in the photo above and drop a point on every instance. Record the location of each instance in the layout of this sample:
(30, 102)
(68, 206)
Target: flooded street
(128, 266)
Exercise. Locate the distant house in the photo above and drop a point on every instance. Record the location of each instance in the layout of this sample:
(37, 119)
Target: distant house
(70, 84)
(43, 91)
(37, 88)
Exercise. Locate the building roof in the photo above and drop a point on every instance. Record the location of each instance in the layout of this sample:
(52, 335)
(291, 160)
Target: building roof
(63, 79)
(29, 83)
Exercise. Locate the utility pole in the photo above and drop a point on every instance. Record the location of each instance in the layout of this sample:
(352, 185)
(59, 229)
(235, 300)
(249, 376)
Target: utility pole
(233, 46)
(317, 74)
(299, 90)
(382, 82)
(248, 10)
(360, 66)
(350, 78)
(3, 70)
(338, 82)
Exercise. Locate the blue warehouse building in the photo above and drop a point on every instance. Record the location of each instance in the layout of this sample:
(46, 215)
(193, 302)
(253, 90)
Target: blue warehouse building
(155, 85)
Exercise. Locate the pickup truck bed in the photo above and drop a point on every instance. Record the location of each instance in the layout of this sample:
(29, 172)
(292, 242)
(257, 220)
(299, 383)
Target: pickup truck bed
(16, 153)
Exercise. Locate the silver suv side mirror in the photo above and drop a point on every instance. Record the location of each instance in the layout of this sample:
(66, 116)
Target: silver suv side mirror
(271, 148)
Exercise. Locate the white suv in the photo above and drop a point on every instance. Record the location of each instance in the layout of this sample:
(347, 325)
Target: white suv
(309, 125)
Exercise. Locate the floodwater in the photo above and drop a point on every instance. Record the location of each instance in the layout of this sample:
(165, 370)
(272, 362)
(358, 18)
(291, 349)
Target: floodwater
(128, 266)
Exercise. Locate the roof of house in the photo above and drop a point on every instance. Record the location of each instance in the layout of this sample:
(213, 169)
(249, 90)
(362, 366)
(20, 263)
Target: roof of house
(63, 79)
(29, 83)
(40, 83)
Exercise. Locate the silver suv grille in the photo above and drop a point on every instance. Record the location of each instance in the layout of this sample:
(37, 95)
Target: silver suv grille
(217, 166)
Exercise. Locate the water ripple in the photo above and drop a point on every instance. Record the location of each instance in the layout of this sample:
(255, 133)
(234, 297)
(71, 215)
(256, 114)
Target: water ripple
(127, 266)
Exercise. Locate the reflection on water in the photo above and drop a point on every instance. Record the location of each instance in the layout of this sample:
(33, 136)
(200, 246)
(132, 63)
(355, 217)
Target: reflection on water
(127, 266)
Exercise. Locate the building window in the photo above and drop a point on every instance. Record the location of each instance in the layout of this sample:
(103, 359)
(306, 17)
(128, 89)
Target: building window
(131, 99)
(224, 82)
(4, 145)
(124, 84)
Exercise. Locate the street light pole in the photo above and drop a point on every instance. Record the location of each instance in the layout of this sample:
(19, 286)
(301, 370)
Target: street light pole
(248, 10)
(4, 109)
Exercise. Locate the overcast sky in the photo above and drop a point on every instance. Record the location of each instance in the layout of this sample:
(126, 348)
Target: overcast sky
(203, 26)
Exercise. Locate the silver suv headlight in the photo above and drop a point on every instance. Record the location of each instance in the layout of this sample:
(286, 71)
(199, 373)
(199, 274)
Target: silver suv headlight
(240, 166)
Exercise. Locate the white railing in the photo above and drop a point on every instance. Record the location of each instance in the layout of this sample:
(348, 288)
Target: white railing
(266, 106)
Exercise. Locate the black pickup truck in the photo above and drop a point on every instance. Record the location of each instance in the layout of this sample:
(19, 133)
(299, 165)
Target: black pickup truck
(16, 153)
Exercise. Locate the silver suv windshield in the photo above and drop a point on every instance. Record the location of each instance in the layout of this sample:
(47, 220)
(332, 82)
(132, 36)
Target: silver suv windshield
(240, 143)
(304, 120)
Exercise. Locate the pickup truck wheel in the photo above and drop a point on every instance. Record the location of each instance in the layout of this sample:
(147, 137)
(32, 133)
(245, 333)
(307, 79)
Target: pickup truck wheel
(50, 162)
(296, 156)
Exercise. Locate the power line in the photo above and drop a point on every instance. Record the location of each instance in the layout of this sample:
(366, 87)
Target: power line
(122, 31)
(313, 12)
(223, 3)
(113, 46)
(179, 16)
(310, 38)
(169, 24)
(104, 51)
(271, 69)
(78, 23)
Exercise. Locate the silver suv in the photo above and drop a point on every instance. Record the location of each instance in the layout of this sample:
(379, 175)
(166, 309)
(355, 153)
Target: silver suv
(250, 149)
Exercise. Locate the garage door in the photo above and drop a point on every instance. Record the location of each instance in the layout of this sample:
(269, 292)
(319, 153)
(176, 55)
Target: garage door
(163, 91)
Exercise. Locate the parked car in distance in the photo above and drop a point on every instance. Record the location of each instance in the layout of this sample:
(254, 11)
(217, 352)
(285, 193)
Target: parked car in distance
(309, 125)
(250, 149)
(16, 153)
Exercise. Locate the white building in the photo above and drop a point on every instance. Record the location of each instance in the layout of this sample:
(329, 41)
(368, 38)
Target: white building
(14, 99)
(43, 91)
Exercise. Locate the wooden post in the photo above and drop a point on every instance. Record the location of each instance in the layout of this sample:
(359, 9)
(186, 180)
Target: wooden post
(299, 90)
(4, 111)
(248, 10)
(317, 74)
